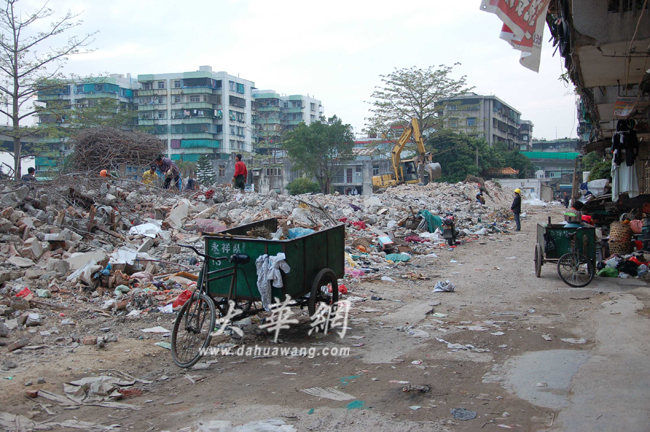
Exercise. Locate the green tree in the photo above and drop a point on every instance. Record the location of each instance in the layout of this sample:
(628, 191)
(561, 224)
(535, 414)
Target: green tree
(61, 119)
(412, 92)
(320, 149)
(598, 166)
(302, 185)
(516, 160)
(457, 154)
(29, 62)
(205, 174)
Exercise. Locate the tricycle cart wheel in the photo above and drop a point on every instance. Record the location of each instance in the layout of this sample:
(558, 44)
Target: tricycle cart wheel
(539, 260)
(319, 290)
(575, 269)
(192, 329)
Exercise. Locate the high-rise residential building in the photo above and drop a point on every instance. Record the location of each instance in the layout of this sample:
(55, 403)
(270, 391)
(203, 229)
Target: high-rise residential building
(61, 102)
(275, 114)
(489, 117)
(197, 113)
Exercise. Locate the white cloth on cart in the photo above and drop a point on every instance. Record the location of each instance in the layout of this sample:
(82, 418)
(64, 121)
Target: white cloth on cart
(269, 275)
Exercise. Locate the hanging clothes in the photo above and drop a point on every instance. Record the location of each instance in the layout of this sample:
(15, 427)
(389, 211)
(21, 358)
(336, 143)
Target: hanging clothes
(624, 180)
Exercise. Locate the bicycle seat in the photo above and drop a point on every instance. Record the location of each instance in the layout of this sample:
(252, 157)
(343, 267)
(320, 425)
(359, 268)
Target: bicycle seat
(240, 259)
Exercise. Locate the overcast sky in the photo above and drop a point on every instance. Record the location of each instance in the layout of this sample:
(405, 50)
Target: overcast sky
(333, 50)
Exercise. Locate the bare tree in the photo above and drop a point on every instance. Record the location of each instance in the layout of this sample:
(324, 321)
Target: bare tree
(29, 63)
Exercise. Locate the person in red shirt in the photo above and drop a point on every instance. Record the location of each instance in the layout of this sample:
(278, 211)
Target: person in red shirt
(240, 173)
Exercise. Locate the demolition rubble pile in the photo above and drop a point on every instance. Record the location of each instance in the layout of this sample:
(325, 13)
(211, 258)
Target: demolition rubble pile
(81, 247)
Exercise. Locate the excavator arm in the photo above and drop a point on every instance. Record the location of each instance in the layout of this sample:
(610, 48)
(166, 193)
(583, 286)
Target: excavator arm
(397, 150)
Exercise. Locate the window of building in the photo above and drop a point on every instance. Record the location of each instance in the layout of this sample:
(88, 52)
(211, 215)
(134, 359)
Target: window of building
(358, 168)
(146, 86)
(233, 130)
(160, 100)
(177, 99)
(312, 106)
(375, 170)
(241, 88)
(177, 84)
(222, 170)
(453, 122)
(195, 98)
(218, 85)
(231, 85)
(161, 115)
(471, 121)
(161, 84)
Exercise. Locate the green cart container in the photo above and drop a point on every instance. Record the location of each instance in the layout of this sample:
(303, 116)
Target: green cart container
(306, 256)
(554, 242)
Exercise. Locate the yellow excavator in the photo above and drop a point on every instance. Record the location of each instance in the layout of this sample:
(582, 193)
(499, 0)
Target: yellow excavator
(417, 170)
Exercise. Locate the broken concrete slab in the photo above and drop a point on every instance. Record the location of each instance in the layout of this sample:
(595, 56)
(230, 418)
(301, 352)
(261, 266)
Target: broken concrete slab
(20, 262)
(77, 261)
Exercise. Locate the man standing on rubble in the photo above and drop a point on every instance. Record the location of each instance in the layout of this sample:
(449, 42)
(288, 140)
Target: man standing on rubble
(516, 208)
(171, 171)
(566, 200)
(240, 173)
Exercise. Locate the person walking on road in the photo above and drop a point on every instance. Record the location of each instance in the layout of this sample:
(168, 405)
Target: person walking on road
(566, 200)
(240, 173)
(516, 208)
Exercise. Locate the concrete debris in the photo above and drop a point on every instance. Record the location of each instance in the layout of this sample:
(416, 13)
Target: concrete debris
(89, 248)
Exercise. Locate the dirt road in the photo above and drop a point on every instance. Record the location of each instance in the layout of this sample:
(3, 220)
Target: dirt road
(493, 347)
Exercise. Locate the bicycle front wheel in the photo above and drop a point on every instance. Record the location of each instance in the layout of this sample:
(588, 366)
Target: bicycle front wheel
(192, 330)
(576, 270)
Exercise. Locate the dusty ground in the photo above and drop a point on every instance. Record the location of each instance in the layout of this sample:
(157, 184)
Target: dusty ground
(511, 377)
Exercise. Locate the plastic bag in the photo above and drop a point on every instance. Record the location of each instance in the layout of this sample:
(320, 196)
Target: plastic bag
(299, 232)
(182, 298)
(398, 257)
(608, 272)
(445, 286)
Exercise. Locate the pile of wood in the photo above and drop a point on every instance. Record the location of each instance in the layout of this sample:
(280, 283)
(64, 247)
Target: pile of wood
(107, 148)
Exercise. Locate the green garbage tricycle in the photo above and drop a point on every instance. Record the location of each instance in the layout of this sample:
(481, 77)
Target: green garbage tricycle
(227, 280)
(572, 246)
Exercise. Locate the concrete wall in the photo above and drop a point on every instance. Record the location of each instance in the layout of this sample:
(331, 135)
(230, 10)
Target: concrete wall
(592, 19)
(527, 186)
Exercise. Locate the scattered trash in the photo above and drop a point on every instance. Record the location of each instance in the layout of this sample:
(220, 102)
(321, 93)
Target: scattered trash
(547, 337)
(328, 393)
(387, 279)
(415, 407)
(574, 341)
(165, 345)
(498, 333)
(446, 286)
(416, 389)
(158, 329)
(357, 404)
(463, 414)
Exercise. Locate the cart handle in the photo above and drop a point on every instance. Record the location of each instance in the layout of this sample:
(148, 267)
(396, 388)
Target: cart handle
(203, 255)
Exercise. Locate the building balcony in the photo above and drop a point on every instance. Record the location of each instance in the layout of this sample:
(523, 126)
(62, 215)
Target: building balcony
(196, 120)
(203, 135)
(195, 90)
(195, 105)
(294, 110)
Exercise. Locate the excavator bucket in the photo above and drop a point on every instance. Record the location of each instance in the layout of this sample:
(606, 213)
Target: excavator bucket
(434, 170)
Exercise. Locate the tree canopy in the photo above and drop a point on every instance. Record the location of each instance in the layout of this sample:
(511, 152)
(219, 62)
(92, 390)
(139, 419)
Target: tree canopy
(320, 149)
(413, 92)
(30, 61)
(457, 155)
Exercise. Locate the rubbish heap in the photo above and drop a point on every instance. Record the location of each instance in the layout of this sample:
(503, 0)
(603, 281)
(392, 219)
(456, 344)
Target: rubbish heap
(86, 247)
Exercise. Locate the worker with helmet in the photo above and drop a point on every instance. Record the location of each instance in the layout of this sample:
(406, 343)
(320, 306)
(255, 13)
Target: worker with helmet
(516, 208)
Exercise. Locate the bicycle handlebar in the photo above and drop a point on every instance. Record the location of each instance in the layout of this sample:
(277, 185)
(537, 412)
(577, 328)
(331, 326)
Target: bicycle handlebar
(203, 255)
